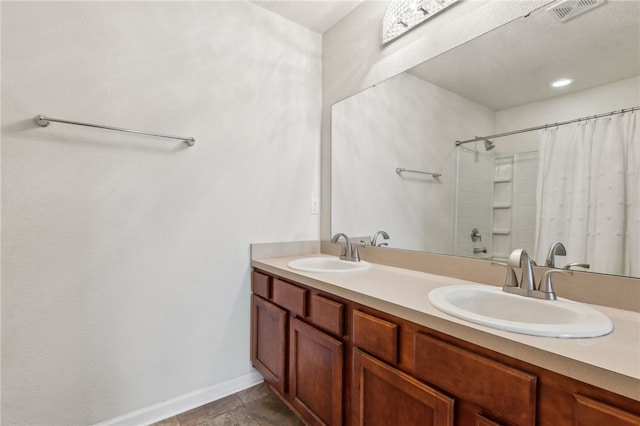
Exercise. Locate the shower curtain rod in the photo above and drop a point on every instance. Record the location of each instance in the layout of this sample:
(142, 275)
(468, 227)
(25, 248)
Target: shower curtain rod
(545, 126)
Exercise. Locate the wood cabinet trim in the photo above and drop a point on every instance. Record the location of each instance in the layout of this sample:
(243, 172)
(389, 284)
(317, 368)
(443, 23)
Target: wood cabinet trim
(483, 421)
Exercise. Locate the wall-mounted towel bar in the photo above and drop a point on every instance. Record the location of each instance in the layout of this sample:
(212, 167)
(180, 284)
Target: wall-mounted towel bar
(43, 121)
(402, 170)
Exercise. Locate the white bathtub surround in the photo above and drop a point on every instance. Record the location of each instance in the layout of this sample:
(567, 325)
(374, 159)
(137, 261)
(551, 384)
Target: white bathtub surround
(125, 258)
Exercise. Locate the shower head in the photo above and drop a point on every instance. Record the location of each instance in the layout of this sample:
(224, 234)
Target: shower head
(488, 145)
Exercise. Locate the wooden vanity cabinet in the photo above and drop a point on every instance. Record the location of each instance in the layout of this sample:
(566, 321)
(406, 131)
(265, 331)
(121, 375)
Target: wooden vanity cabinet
(338, 362)
(477, 390)
(292, 348)
(382, 394)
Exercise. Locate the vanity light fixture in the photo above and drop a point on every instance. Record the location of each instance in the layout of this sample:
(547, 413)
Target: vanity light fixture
(562, 82)
(402, 15)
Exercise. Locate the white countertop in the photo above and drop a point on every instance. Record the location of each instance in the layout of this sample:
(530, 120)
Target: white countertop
(611, 362)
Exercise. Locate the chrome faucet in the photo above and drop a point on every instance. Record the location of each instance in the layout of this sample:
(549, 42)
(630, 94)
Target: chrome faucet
(374, 239)
(556, 249)
(527, 285)
(348, 252)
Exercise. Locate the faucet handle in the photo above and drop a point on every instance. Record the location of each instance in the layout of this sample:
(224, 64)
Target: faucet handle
(576, 265)
(355, 253)
(515, 258)
(546, 286)
(510, 280)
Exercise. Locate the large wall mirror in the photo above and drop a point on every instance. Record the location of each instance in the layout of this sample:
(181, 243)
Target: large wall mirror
(577, 184)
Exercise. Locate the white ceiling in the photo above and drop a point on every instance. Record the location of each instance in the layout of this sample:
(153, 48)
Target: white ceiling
(598, 47)
(318, 16)
(515, 64)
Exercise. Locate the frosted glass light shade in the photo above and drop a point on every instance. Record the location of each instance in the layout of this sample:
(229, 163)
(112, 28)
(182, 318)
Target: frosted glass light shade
(403, 15)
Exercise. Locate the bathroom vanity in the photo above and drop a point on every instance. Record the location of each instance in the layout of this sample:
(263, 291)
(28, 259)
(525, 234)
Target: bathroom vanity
(366, 348)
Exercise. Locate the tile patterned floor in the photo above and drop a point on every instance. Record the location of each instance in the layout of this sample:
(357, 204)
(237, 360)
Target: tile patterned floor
(256, 406)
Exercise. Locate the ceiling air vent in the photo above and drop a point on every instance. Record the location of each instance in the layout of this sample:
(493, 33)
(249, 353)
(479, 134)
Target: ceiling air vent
(569, 9)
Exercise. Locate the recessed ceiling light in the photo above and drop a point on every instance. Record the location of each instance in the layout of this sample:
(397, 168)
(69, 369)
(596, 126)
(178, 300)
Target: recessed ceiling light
(562, 82)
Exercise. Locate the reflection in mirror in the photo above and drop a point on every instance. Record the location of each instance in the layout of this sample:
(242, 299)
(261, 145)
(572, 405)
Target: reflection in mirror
(501, 82)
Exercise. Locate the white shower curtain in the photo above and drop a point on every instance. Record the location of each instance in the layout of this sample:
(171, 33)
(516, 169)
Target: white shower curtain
(588, 194)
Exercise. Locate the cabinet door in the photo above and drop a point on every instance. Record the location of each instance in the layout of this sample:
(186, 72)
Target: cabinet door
(268, 341)
(315, 374)
(588, 412)
(385, 396)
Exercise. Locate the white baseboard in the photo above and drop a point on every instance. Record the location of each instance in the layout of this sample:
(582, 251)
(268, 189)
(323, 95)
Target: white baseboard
(180, 404)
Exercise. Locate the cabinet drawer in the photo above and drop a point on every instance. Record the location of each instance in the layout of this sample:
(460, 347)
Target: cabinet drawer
(327, 314)
(261, 284)
(290, 297)
(588, 412)
(506, 392)
(376, 336)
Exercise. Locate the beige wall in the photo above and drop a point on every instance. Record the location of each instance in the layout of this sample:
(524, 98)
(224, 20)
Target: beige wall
(125, 259)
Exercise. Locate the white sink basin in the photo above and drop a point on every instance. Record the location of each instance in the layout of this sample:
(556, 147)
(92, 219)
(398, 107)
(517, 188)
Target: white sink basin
(327, 264)
(490, 306)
